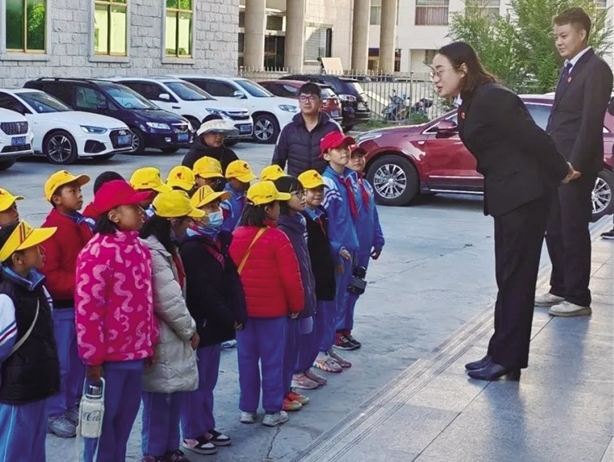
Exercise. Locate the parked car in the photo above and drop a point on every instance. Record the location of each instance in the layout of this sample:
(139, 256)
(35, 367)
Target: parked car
(15, 138)
(352, 95)
(331, 104)
(151, 126)
(64, 135)
(187, 100)
(270, 113)
(404, 162)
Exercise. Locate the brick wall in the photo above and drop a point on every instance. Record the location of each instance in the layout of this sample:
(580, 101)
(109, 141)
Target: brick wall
(70, 51)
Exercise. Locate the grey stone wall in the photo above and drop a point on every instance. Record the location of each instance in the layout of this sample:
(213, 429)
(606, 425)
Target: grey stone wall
(70, 43)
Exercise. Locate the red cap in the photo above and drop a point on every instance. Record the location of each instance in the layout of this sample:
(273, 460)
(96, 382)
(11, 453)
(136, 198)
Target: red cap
(335, 140)
(116, 193)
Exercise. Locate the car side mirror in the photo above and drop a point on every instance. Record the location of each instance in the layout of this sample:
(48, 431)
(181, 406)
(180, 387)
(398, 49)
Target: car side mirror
(164, 97)
(238, 94)
(446, 129)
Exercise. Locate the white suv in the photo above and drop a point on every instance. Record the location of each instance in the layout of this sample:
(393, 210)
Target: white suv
(270, 113)
(189, 101)
(64, 135)
(15, 138)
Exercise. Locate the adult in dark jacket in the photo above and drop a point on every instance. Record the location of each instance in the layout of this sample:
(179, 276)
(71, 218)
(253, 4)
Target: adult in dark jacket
(299, 141)
(522, 169)
(576, 126)
(209, 141)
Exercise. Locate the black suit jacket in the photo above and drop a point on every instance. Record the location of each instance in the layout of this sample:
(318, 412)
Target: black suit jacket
(519, 161)
(576, 120)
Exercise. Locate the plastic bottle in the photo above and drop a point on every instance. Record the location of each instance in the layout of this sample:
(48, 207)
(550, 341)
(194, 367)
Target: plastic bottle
(91, 412)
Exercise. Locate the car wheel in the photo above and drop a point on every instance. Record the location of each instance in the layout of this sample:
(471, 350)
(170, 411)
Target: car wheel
(138, 141)
(394, 179)
(60, 148)
(6, 164)
(194, 123)
(602, 195)
(266, 129)
(169, 150)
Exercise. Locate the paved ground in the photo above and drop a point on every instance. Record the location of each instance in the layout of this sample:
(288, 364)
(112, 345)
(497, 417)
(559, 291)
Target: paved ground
(435, 275)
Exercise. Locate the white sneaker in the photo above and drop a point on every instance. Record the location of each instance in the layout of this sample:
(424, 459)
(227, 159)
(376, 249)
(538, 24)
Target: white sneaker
(548, 299)
(273, 420)
(248, 417)
(567, 309)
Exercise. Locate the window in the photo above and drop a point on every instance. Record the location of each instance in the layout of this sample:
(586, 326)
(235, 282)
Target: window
(429, 55)
(432, 12)
(12, 104)
(540, 114)
(110, 27)
(89, 99)
(488, 8)
(25, 25)
(376, 13)
(43, 103)
(217, 88)
(179, 28)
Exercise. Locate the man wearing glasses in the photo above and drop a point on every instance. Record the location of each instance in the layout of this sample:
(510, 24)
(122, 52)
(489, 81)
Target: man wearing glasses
(298, 145)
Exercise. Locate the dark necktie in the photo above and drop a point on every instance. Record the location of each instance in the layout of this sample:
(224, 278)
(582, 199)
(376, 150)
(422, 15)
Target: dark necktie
(565, 74)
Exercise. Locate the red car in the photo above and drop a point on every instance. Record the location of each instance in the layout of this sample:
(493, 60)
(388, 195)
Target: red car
(331, 104)
(404, 162)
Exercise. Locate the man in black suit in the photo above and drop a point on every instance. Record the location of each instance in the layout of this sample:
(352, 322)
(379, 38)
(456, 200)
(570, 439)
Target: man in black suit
(576, 126)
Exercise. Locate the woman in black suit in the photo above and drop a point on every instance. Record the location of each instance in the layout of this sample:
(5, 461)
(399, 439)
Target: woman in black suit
(522, 169)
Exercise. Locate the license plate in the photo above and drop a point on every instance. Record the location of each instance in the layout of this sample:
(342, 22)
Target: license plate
(124, 140)
(362, 107)
(18, 140)
(334, 114)
(183, 137)
(245, 128)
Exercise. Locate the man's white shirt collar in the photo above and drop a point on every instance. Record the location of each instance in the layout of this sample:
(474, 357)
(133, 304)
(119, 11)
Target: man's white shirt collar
(573, 61)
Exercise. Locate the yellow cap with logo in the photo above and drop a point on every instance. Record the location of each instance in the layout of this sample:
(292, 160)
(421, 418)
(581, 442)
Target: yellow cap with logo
(265, 192)
(240, 170)
(23, 237)
(148, 178)
(205, 195)
(181, 177)
(7, 199)
(61, 178)
(311, 179)
(271, 173)
(175, 204)
(208, 167)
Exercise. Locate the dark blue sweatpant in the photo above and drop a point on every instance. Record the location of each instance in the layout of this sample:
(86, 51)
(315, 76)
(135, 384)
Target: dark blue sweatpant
(351, 299)
(161, 416)
(293, 339)
(23, 428)
(309, 344)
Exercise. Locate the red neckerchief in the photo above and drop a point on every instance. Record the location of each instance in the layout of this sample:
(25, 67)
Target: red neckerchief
(180, 270)
(347, 182)
(366, 197)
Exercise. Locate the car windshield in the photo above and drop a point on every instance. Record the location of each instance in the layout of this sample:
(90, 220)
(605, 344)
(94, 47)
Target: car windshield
(357, 86)
(327, 93)
(254, 89)
(43, 103)
(188, 91)
(127, 98)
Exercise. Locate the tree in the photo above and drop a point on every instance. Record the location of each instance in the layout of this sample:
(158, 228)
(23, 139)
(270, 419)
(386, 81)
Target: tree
(519, 47)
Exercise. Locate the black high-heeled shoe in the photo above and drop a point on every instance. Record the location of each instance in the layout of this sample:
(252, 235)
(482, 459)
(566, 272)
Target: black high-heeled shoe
(495, 371)
(481, 364)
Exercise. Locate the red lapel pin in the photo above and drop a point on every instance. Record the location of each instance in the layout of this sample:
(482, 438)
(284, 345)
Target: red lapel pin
(463, 115)
(569, 80)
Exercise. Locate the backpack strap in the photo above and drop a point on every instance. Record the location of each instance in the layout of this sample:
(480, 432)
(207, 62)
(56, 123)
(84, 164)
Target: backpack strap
(23, 339)
(249, 249)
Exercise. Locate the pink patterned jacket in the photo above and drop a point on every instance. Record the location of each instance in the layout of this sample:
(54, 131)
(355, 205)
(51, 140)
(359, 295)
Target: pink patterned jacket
(114, 312)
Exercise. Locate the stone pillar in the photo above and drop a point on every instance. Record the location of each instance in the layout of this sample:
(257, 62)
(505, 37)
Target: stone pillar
(360, 35)
(387, 36)
(294, 55)
(255, 27)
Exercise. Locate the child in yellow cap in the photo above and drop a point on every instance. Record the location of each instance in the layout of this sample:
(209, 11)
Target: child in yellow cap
(271, 173)
(239, 175)
(148, 179)
(8, 208)
(181, 178)
(28, 355)
(208, 172)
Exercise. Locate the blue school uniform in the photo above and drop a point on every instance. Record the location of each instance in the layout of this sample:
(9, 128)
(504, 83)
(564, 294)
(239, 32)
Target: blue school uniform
(233, 208)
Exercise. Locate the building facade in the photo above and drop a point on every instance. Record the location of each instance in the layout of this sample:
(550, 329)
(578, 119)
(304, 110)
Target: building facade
(101, 38)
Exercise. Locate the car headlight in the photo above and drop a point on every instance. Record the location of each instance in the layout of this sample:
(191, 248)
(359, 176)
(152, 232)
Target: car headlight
(288, 108)
(158, 126)
(96, 130)
(217, 111)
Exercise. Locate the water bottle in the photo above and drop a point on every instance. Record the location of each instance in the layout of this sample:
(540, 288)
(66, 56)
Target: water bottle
(91, 411)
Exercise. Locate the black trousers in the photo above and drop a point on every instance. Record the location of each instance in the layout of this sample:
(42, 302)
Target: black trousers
(569, 240)
(519, 237)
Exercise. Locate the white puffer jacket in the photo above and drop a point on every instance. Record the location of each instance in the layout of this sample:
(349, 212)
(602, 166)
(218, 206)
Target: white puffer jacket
(175, 361)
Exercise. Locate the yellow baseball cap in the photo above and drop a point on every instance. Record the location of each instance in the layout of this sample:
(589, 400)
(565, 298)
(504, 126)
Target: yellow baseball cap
(311, 179)
(208, 167)
(240, 170)
(7, 199)
(23, 237)
(60, 178)
(271, 173)
(181, 177)
(265, 192)
(148, 178)
(205, 195)
(175, 204)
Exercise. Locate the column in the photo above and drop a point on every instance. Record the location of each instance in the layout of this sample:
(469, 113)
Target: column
(255, 27)
(294, 54)
(360, 35)
(387, 36)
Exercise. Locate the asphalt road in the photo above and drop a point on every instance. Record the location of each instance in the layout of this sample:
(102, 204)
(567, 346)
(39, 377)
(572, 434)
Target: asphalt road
(436, 273)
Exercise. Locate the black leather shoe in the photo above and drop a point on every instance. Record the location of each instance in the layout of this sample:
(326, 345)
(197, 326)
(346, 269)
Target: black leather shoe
(495, 371)
(481, 364)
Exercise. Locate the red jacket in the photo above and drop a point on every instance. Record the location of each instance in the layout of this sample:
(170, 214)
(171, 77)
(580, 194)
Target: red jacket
(271, 276)
(91, 212)
(61, 252)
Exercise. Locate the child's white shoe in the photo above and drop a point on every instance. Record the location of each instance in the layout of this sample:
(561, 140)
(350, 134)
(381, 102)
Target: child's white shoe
(248, 417)
(273, 420)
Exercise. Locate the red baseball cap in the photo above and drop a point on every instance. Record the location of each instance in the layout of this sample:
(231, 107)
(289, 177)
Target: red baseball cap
(335, 140)
(116, 193)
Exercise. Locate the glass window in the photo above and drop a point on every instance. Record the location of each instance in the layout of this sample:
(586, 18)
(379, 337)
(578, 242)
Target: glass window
(89, 98)
(110, 27)
(432, 12)
(188, 92)
(218, 88)
(179, 28)
(25, 25)
(43, 103)
(254, 89)
(540, 114)
(12, 104)
(127, 98)
(376, 13)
